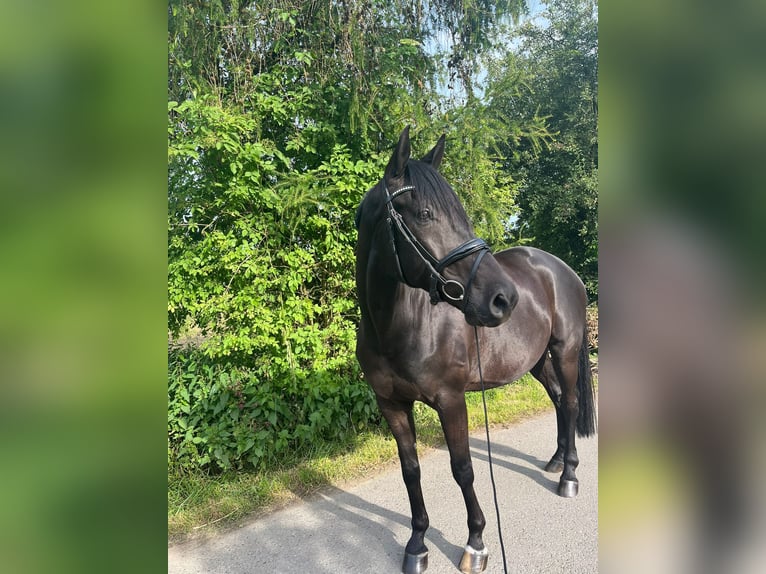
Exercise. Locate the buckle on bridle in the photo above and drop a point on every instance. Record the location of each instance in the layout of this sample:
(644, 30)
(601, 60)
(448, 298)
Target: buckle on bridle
(436, 297)
(447, 293)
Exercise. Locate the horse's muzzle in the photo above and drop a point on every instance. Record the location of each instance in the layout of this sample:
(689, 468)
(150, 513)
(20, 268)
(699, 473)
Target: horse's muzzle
(497, 311)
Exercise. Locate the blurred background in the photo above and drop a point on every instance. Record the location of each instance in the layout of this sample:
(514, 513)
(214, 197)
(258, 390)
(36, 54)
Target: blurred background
(83, 289)
(83, 323)
(682, 192)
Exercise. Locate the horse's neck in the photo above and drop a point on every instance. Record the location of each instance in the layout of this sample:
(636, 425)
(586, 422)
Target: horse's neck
(391, 311)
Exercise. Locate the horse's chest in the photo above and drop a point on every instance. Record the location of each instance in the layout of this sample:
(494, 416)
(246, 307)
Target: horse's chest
(429, 368)
(415, 369)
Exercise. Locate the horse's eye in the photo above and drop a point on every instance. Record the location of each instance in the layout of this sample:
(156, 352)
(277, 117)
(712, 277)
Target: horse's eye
(424, 215)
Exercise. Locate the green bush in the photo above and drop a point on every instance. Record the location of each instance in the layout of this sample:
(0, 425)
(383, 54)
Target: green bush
(223, 416)
(261, 263)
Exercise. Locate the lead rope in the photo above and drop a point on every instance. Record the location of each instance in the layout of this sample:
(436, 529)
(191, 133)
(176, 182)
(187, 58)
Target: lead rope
(489, 451)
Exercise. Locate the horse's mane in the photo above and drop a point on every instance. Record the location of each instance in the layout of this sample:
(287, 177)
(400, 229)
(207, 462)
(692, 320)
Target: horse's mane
(430, 187)
(434, 189)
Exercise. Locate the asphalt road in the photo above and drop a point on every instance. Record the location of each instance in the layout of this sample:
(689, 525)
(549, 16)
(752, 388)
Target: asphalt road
(363, 528)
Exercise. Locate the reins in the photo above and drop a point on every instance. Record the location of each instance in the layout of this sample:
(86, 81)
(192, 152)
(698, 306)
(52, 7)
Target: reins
(436, 267)
(489, 451)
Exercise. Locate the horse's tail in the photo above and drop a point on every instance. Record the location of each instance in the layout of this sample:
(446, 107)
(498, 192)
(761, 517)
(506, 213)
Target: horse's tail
(586, 417)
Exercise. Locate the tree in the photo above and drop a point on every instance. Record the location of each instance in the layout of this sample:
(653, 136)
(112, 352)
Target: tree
(557, 63)
(269, 95)
(280, 118)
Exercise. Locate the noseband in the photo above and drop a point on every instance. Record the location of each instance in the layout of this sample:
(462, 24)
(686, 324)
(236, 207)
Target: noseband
(436, 266)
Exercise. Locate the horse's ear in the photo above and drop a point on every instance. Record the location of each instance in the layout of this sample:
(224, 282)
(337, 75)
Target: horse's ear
(400, 157)
(434, 157)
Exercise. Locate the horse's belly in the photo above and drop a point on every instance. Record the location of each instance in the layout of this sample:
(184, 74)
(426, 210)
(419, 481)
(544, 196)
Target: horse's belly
(507, 355)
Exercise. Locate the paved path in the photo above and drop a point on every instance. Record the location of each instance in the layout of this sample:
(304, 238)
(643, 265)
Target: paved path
(363, 528)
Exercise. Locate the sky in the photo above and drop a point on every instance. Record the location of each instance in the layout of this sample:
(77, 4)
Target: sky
(535, 8)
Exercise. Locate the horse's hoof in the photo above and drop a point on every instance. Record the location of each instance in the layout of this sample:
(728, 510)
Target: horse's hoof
(415, 563)
(568, 488)
(474, 561)
(554, 466)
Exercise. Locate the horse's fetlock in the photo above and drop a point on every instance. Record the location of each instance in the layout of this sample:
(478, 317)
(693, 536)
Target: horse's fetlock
(420, 524)
(477, 525)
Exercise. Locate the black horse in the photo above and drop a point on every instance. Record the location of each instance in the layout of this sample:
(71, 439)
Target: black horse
(416, 248)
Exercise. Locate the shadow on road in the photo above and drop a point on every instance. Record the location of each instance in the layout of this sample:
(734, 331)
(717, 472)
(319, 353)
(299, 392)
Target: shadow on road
(501, 455)
(351, 508)
(364, 529)
(344, 533)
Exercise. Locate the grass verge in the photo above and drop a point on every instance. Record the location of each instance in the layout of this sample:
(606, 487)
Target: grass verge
(203, 504)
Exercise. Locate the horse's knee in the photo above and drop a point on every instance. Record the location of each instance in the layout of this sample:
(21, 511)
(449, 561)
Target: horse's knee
(462, 471)
(410, 472)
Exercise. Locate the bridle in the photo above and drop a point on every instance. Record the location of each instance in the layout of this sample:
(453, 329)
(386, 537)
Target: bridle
(439, 285)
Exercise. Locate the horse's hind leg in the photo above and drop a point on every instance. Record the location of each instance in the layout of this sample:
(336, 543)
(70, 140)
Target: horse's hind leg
(564, 359)
(400, 420)
(543, 371)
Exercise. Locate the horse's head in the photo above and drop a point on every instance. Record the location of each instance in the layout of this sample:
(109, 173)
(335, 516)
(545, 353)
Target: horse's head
(429, 242)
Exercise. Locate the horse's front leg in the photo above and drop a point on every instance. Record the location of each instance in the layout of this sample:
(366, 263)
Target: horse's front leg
(454, 421)
(400, 420)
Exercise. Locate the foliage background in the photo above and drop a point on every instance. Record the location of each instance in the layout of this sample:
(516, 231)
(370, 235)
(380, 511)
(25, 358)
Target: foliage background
(280, 116)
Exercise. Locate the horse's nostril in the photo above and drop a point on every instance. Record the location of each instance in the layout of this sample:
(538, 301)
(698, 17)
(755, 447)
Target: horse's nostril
(500, 305)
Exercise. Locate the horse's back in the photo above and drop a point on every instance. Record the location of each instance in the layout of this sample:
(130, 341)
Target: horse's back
(534, 268)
